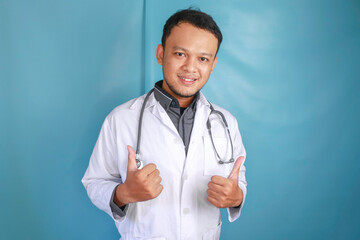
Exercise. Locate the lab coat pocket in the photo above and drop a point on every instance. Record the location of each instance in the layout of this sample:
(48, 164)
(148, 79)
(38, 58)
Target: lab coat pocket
(212, 234)
(211, 161)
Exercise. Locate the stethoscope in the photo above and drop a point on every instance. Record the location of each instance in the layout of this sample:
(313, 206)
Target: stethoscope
(139, 162)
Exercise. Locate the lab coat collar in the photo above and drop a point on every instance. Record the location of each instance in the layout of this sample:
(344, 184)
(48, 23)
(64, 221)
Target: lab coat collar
(137, 104)
(161, 114)
(202, 100)
(152, 101)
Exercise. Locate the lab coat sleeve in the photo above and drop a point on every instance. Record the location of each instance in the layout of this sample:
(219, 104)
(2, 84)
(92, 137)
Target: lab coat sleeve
(239, 150)
(102, 175)
(120, 211)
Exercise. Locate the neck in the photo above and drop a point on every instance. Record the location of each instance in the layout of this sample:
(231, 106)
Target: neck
(184, 102)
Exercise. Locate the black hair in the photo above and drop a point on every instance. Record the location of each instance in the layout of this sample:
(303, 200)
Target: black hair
(196, 18)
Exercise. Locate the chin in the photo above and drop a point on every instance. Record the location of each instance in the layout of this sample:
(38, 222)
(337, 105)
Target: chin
(187, 94)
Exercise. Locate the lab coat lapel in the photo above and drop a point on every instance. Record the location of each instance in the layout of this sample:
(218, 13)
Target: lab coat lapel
(201, 116)
(156, 109)
(161, 114)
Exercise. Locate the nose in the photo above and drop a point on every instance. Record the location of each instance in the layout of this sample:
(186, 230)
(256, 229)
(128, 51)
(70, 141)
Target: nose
(190, 64)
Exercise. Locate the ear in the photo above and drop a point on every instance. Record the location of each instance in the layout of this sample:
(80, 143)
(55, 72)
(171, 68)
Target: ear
(213, 65)
(160, 54)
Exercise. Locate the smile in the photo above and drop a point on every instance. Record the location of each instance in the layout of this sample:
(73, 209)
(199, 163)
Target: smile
(187, 79)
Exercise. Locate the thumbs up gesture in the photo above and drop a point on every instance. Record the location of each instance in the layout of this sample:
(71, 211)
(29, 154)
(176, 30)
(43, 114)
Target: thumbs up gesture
(225, 192)
(140, 185)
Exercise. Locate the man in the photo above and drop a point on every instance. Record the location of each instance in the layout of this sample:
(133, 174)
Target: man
(188, 173)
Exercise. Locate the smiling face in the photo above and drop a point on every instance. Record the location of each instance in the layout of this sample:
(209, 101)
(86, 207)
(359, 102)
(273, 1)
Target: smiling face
(188, 59)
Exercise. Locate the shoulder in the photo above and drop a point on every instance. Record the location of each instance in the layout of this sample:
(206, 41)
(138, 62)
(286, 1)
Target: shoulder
(223, 110)
(128, 109)
(229, 117)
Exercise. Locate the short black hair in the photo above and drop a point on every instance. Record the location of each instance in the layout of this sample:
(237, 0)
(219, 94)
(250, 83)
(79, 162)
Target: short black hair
(194, 17)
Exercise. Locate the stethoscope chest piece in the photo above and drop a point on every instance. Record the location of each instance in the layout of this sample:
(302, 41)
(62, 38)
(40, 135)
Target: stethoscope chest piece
(139, 163)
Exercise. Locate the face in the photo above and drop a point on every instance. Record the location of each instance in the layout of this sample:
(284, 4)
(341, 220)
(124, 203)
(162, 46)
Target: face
(188, 59)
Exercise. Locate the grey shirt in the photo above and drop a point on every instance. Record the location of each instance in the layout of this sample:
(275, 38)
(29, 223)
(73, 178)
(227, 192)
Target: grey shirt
(183, 119)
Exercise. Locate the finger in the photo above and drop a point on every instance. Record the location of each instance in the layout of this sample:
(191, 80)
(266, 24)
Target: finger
(212, 193)
(236, 168)
(155, 192)
(157, 180)
(212, 200)
(159, 189)
(153, 175)
(215, 187)
(148, 169)
(219, 180)
(131, 160)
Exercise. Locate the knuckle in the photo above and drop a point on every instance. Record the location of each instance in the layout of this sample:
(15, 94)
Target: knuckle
(152, 165)
(138, 174)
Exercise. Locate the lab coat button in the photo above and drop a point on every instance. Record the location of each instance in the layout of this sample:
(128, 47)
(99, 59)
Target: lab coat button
(185, 176)
(177, 141)
(186, 210)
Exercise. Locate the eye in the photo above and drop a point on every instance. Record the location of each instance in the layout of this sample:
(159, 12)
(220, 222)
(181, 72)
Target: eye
(204, 59)
(180, 54)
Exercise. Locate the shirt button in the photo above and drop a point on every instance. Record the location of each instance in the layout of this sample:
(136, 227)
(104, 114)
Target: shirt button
(186, 210)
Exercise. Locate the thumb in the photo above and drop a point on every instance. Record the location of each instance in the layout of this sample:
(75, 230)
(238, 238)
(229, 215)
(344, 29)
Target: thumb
(131, 160)
(236, 168)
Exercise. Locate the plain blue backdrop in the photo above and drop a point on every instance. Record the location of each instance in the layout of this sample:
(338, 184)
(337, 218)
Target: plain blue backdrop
(289, 71)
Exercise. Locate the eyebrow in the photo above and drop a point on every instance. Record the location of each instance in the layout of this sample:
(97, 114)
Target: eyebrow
(185, 50)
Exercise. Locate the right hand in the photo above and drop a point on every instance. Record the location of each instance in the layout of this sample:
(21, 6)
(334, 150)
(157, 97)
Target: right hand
(140, 185)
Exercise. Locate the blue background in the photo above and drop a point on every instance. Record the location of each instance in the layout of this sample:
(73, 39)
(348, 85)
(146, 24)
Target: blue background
(288, 70)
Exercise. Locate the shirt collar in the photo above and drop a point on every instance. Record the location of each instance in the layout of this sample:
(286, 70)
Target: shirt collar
(166, 100)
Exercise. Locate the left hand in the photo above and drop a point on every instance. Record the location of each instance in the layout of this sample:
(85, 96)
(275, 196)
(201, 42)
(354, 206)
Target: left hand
(225, 192)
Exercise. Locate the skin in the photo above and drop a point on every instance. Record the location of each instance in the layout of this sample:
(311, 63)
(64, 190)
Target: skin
(189, 53)
(188, 59)
(140, 185)
(225, 192)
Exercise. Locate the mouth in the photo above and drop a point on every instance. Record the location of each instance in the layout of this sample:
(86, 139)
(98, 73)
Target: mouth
(187, 80)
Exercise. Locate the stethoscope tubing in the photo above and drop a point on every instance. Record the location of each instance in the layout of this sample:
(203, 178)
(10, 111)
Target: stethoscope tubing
(139, 162)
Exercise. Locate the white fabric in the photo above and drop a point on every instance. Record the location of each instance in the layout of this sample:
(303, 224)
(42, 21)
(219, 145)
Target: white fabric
(181, 211)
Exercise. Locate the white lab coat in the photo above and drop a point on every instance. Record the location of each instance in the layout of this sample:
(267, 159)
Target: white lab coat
(181, 211)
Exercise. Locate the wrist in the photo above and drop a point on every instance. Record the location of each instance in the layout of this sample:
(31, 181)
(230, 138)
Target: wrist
(239, 200)
(120, 197)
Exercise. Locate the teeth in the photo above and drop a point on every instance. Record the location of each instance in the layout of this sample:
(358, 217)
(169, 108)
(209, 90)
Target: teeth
(187, 79)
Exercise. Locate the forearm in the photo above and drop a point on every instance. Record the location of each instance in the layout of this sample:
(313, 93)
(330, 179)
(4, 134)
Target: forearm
(121, 197)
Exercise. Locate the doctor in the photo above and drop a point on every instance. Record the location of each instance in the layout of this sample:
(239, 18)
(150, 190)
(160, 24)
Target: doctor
(188, 171)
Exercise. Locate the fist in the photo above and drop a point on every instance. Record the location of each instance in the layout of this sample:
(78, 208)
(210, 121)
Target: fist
(140, 185)
(225, 192)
